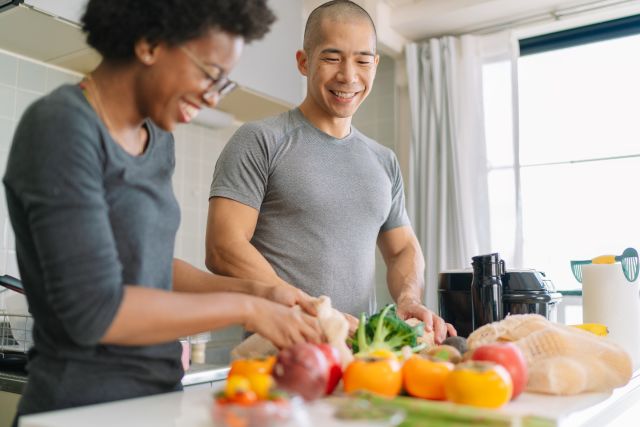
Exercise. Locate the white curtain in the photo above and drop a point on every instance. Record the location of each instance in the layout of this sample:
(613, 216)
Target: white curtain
(448, 192)
(502, 50)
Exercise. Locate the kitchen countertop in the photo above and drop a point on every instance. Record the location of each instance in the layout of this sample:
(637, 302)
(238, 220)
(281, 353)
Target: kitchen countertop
(14, 381)
(191, 408)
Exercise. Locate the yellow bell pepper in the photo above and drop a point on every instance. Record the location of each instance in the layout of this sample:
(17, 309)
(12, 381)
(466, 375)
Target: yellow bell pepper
(236, 384)
(482, 384)
(377, 375)
(248, 367)
(261, 384)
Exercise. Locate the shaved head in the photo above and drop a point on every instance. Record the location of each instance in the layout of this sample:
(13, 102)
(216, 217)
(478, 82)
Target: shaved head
(335, 10)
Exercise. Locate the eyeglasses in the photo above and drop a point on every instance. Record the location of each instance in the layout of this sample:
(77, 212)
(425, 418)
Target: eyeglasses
(220, 84)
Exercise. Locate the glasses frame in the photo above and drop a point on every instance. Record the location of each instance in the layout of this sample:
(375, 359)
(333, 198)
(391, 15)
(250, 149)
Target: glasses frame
(220, 84)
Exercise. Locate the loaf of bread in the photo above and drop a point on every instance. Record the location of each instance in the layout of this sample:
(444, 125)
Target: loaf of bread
(561, 359)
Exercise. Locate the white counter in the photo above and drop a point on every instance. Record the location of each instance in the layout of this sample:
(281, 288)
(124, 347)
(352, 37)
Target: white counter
(191, 408)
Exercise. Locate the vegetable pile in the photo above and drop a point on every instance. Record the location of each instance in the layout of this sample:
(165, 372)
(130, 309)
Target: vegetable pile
(389, 359)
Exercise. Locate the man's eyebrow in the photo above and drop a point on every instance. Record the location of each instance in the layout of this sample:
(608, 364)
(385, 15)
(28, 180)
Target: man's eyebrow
(338, 51)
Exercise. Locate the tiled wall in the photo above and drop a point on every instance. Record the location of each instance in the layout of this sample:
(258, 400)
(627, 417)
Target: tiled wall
(376, 116)
(376, 119)
(22, 81)
(197, 149)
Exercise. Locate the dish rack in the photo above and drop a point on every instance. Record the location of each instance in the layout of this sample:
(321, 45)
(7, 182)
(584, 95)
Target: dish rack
(15, 333)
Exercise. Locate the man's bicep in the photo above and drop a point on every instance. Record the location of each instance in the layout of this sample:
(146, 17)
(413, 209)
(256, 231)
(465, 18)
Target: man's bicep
(394, 241)
(230, 219)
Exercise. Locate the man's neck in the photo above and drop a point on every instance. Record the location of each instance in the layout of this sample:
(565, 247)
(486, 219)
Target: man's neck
(337, 127)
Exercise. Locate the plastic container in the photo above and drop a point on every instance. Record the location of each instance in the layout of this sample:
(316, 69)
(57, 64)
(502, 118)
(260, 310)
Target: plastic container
(268, 413)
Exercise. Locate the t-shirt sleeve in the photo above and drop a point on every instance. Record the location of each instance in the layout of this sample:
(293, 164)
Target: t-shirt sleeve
(54, 184)
(242, 170)
(397, 214)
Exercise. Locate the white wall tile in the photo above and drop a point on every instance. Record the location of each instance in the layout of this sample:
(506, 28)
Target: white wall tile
(8, 69)
(12, 264)
(7, 102)
(31, 76)
(56, 78)
(23, 100)
(3, 162)
(7, 128)
(9, 240)
(3, 203)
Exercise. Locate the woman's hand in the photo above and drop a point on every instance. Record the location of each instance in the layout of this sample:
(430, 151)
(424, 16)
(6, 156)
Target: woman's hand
(286, 294)
(283, 326)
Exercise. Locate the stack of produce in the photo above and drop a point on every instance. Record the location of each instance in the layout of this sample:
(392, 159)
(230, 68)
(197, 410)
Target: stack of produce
(562, 359)
(389, 356)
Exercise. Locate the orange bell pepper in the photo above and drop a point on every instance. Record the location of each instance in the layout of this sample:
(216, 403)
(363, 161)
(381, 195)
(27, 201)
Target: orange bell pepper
(426, 378)
(248, 367)
(378, 375)
(483, 384)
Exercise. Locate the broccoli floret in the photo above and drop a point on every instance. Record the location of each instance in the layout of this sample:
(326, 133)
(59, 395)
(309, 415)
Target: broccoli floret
(385, 331)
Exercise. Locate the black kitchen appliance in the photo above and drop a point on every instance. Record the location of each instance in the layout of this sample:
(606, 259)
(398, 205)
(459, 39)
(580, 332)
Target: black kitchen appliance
(523, 292)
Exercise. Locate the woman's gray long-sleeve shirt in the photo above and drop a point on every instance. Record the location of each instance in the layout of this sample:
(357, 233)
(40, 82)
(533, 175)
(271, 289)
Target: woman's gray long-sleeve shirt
(88, 219)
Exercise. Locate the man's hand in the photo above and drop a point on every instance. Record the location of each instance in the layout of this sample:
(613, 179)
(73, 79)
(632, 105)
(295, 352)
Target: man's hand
(410, 307)
(353, 323)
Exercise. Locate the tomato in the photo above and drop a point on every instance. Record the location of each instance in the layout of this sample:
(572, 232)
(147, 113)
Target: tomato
(483, 384)
(247, 367)
(425, 378)
(244, 398)
(510, 357)
(335, 368)
(378, 375)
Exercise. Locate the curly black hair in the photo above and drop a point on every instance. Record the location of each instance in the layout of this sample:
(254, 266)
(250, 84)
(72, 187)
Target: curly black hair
(113, 27)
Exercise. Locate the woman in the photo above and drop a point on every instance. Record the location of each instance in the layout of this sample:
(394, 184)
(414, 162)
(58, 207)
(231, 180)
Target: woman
(88, 186)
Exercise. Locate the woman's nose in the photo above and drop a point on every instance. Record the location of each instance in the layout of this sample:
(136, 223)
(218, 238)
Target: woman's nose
(211, 98)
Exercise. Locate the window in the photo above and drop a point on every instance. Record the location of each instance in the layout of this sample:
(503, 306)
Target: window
(579, 148)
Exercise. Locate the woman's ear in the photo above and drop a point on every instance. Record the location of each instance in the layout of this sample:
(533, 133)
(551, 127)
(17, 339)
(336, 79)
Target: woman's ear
(146, 52)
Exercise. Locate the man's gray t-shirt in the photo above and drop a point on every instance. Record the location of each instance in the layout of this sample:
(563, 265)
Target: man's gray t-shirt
(322, 201)
(89, 218)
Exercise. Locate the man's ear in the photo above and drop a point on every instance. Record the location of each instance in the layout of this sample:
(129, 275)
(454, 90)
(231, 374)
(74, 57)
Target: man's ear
(303, 62)
(146, 52)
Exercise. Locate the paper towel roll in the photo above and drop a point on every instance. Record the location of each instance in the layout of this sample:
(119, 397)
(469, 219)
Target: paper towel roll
(610, 299)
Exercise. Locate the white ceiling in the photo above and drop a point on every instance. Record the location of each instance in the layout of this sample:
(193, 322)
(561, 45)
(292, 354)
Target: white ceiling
(419, 19)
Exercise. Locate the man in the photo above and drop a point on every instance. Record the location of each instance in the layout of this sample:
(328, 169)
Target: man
(302, 198)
